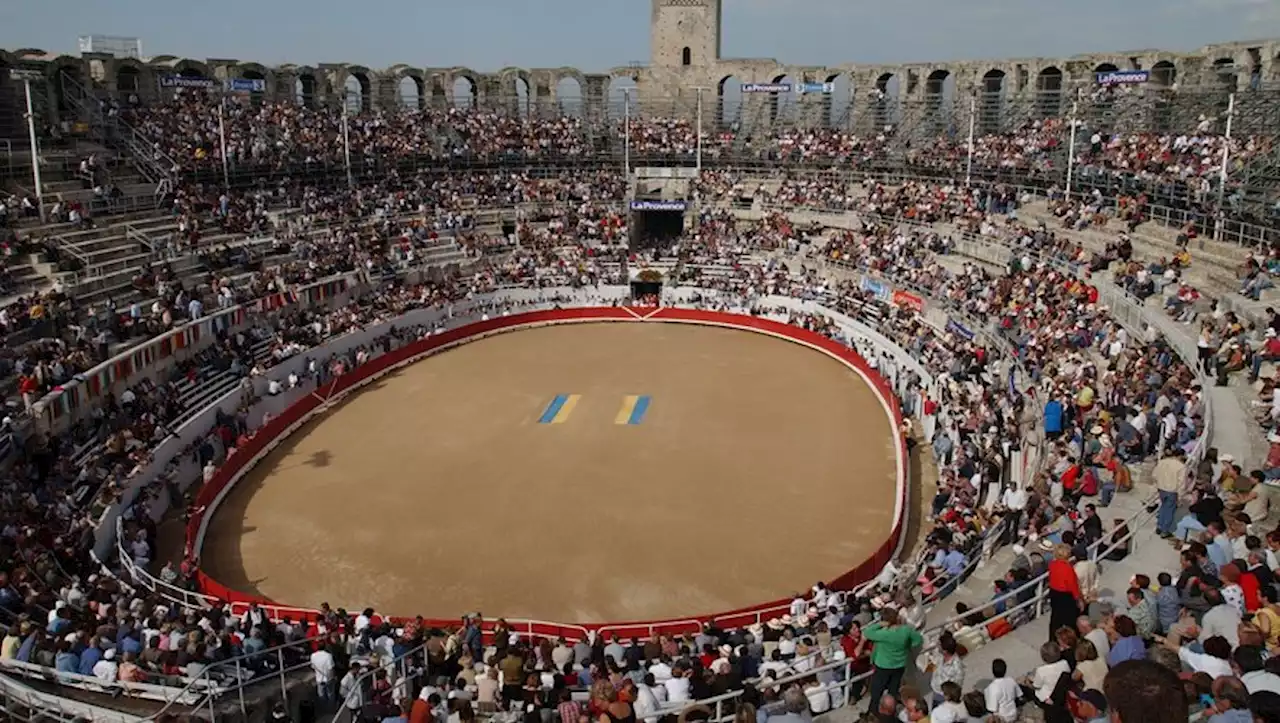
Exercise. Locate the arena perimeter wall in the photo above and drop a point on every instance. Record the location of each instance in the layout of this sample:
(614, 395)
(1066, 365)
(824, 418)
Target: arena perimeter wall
(287, 422)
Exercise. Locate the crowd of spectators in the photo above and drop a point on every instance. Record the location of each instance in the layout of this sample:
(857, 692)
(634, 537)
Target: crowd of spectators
(1102, 399)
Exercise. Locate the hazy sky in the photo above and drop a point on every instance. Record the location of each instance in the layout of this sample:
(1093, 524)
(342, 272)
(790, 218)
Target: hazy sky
(597, 34)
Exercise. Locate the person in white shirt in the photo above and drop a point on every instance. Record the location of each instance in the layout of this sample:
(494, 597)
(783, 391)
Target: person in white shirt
(1095, 635)
(677, 686)
(106, 669)
(1001, 694)
(646, 702)
(819, 698)
(1248, 663)
(1045, 678)
(951, 710)
(352, 695)
(1215, 660)
(322, 666)
(661, 671)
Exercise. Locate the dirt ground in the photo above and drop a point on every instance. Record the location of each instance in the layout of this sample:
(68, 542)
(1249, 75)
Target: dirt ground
(759, 468)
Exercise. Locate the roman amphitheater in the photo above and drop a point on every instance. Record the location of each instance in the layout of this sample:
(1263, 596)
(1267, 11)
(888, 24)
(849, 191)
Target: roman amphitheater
(331, 388)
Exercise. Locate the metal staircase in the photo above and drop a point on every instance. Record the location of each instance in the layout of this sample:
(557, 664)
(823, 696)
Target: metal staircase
(108, 128)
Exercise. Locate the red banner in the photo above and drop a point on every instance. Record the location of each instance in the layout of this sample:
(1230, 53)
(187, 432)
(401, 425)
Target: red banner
(908, 300)
(228, 474)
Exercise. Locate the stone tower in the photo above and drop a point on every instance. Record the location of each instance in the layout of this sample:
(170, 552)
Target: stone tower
(685, 33)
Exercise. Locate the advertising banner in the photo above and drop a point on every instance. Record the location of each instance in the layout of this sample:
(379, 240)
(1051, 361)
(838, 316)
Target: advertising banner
(1123, 77)
(247, 85)
(817, 88)
(659, 205)
(876, 288)
(955, 327)
(908, 300)
(178, 81)
(766, 87)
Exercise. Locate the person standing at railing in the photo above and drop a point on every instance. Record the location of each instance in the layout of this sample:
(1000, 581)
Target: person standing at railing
(1065, 599)
(894, 642)
(1169, 474)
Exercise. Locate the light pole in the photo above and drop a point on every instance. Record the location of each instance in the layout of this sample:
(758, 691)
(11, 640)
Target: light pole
(346, 138)
(1222, 176)
(26, 76)
(973, 118)
(699, 89)
(626, 131)
(1071, 147)
(222, 142)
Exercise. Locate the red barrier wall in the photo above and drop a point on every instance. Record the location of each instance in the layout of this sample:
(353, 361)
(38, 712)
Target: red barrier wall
(244, 458)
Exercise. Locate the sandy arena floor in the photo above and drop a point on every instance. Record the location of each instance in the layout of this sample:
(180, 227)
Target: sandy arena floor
(760, 467)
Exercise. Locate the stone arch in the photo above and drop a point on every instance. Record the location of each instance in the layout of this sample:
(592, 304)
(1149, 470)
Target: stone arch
(518, 90)
(885, 95)
(358, 86)
(686, 56)
(306, 89)
(256, 71)
(839, 102)
(1164, 74)
(570, 91)
(463, 88)
(410, 88)
(729, 100)
(1105, 68)
(991, 89)
(131, 77)
(622, 91)
(1223, 73)
(939, 100)
(71, 80)
(1050, 82)
(188, 68)
(783, 105)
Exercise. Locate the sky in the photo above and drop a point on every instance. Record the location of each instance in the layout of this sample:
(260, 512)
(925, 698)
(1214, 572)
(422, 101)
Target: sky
(595, 35)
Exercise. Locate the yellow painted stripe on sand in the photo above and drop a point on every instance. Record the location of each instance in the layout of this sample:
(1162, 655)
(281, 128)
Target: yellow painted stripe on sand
(628, 406)
(566, 409)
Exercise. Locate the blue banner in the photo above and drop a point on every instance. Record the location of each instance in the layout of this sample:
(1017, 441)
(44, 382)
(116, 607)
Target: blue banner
(1123, 77)
(179, 81)
(955, 327)
(659, 205)
(766, 87)
(817, 88)
(876, 288)
(247, 85)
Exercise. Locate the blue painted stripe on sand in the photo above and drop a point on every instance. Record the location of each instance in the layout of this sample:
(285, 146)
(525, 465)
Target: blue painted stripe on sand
(553, 409)
(637, 414)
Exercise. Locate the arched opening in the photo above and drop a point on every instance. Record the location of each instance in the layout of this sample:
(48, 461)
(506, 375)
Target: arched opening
(409, 92)
(1049, 92)
(352, 94)
(729, 101)
(464, 92)
(128, 80)
(1225, 71)
(68, 85)
(991, 101)
(1164, 74)
(686, 56)
(359, 92)
(782, 106)
(304, 90)
(522, 97)
(884, 100)
(257, 95)
(569, 96)
(1106, 68)
(939, 102)
(622, 90)
(839, 101)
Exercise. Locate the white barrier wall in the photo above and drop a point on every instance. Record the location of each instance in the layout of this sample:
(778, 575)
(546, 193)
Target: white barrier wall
(177, 457)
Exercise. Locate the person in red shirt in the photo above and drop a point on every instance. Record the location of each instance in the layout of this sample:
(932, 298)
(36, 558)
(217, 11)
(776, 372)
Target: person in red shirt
(1269, 352)
(1065, 600)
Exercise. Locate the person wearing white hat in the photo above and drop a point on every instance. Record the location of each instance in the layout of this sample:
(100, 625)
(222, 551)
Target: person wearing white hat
(106, 670)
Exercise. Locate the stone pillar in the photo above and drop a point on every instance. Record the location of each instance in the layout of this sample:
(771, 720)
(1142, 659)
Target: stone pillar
(595, 94)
